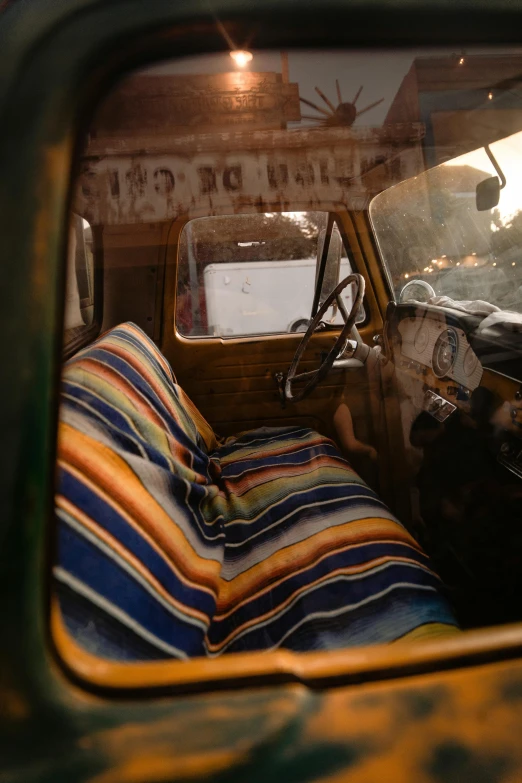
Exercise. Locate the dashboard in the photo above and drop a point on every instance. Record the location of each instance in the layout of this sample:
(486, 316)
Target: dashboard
(457, 428)
(443, 349)
(444, 368)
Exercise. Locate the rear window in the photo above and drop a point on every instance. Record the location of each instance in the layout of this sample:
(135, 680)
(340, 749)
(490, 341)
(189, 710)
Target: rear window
(243, 275)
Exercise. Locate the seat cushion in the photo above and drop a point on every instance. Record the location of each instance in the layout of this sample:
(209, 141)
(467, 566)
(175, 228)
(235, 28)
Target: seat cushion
(313, 558)
(173, 546)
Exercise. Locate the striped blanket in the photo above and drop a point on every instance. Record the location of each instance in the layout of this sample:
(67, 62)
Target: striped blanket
(173, 545)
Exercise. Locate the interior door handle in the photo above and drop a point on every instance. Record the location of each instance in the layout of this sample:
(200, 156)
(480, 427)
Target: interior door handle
(279, 378)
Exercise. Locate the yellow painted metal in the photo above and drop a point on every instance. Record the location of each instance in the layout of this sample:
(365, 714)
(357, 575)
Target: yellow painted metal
(232, 380)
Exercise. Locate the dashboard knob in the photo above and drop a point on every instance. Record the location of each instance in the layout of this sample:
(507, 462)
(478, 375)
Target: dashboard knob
(514, 415)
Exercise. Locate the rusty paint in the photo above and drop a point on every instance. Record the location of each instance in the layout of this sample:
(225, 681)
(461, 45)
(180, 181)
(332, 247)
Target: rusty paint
(447, 727)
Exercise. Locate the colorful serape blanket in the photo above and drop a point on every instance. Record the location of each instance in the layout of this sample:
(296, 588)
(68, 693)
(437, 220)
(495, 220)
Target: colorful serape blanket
(171, 545)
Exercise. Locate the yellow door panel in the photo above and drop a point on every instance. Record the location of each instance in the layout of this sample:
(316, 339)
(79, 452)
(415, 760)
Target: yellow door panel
(232, 381)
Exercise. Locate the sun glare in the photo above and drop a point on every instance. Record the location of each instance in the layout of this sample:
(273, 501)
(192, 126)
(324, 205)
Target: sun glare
(508, 153)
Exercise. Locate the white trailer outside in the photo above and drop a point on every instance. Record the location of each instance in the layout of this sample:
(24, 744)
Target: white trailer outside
(264, 297)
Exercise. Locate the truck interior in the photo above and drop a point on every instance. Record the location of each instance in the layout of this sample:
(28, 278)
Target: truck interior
(290, 409)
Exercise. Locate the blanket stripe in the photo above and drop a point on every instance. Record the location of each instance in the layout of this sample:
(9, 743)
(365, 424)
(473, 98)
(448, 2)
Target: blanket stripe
(171, 545)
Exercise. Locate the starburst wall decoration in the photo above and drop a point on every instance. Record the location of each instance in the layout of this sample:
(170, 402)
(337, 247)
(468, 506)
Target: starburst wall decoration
(342, 115)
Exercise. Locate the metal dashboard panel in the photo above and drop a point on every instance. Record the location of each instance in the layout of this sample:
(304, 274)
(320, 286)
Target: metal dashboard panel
(419, 336)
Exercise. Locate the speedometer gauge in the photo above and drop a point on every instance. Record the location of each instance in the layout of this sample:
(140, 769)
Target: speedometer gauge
(445, 352)
(470, 361)
(422, 338)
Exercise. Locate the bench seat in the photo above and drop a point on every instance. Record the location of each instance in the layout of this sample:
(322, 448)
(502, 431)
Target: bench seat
(173, 544)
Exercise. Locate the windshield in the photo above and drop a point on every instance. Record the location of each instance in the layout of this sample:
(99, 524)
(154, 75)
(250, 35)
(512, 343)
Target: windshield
(428, 228)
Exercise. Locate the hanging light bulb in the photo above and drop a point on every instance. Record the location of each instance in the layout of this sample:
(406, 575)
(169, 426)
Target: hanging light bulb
(241, 57)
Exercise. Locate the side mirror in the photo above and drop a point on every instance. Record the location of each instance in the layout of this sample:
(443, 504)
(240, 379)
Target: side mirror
(333, 261)
(487, 194)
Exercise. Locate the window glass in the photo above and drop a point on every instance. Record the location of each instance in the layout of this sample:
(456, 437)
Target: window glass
(252, 274)
(79, 292)
(219, 490)
(430, 229)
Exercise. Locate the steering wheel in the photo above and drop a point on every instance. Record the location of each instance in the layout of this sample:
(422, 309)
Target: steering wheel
(314, 376)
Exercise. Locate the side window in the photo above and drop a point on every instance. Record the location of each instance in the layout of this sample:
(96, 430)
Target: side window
(242, 275)
(79, 291)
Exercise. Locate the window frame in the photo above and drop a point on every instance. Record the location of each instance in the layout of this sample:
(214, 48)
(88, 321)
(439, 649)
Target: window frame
(329, 328)
(107, 40)
(92, 330)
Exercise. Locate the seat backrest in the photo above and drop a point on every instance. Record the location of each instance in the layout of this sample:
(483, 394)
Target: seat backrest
(137, 525)
(125, 370)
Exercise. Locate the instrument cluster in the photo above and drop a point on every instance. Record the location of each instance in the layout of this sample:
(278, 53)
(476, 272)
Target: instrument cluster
(443, 349)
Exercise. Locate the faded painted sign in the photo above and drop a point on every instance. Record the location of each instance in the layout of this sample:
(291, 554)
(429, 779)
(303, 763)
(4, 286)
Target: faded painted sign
(169, 104)
(327, 168)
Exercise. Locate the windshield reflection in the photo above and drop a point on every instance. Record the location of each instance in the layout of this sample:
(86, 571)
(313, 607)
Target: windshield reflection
(428, 228)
